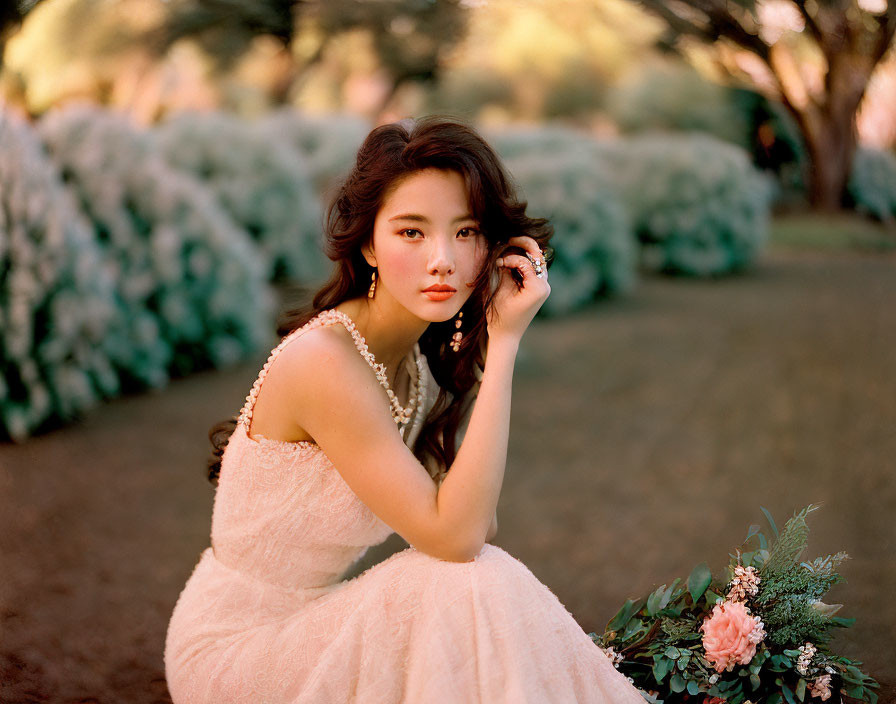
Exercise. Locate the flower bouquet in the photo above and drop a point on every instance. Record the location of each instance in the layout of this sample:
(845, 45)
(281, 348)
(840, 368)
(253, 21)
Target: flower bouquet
(758, 638)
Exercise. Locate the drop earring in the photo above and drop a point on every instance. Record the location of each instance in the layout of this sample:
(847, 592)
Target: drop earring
(372, 288)
(457, 336)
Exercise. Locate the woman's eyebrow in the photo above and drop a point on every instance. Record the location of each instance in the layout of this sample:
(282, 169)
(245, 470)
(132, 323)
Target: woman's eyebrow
(421, 218)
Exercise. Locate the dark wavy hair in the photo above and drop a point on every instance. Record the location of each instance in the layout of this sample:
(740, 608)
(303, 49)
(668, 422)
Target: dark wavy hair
(389, 153)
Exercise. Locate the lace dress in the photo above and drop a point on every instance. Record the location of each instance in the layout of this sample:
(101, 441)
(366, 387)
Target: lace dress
(266, 617)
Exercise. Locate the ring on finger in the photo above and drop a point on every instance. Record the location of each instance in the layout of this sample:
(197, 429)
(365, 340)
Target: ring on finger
(538, 265)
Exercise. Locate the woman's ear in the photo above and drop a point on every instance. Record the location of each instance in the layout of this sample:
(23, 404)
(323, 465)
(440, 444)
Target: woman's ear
(368, 254)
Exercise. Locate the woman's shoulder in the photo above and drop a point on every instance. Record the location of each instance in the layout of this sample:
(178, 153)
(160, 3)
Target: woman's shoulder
(318, 350)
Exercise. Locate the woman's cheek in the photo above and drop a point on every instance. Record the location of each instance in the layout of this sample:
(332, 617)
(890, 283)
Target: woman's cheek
(406, 269)
(481, 254)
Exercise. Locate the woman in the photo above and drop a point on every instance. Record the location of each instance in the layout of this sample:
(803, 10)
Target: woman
(438, 273)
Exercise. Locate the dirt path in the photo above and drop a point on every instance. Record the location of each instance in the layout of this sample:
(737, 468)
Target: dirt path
(646, 434)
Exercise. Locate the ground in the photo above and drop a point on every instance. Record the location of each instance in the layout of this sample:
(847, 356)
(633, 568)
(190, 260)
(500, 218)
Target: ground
(647, 431)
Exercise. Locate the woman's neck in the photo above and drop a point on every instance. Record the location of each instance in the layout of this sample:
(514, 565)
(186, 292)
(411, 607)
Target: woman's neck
(389, 329)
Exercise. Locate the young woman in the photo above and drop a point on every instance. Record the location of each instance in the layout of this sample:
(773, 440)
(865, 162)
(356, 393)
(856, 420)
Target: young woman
(386, 408)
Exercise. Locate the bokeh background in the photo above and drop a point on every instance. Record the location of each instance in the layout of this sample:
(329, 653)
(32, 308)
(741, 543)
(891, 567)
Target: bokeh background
(720, 335)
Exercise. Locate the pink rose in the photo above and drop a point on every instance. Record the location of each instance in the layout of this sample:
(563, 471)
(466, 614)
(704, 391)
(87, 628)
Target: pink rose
(726, 635)
(715, 700)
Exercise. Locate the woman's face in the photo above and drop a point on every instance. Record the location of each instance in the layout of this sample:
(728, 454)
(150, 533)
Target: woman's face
(425, 236)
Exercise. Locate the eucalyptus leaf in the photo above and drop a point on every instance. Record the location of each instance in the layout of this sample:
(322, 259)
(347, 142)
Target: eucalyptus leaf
(633, 628)
(662, 668)
(755, 682)
(653, 601)
(693, 687)
(788, 694)
(667, 595)
(698, 581)
(712, 597)
(677, 683)
(622, 616)
(801, 689)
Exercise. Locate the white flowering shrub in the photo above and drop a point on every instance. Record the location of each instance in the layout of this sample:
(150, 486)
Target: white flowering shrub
(265, 187)
(697, 203)
(191, 284)
(327, 143)
(872, 183)
(595, 253)
(57, 306)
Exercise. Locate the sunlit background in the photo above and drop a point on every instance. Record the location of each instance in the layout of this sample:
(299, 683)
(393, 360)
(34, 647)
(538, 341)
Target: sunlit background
(720, 334)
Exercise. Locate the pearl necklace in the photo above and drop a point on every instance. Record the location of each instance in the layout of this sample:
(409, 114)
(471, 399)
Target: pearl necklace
(401, 415)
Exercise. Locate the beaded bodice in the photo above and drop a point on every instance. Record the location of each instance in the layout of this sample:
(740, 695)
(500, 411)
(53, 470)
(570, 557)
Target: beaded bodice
(282, 511)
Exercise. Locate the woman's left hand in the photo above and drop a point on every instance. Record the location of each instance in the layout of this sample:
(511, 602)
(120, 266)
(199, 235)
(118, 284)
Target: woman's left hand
(516, 303)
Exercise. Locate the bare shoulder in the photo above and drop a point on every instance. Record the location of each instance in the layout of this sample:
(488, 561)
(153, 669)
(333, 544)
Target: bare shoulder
(323, 371)
(319, 367)
(319, 354)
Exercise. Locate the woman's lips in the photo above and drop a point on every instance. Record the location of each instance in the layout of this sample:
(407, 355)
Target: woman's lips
(439, 295)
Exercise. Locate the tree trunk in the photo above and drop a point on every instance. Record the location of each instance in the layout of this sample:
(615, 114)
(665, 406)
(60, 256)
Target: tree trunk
(829, 129)
(831, 143)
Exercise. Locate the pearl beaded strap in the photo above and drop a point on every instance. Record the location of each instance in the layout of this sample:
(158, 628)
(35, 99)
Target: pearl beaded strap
(401, 415)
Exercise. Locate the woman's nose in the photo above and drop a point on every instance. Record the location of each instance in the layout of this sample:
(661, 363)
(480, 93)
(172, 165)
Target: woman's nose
(441, 258)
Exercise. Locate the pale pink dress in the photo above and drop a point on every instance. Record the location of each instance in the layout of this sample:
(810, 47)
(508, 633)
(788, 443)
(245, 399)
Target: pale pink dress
(265, 617)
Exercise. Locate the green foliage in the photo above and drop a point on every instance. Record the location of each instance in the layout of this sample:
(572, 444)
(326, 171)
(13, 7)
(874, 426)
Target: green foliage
(265, 188)
(789, 545)
(872, 184)
(791, 590)
(659, 637)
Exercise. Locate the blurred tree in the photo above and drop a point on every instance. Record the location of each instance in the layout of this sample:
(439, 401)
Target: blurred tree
(12, 12)
(765, 40)
(409, 37)
(225, 28)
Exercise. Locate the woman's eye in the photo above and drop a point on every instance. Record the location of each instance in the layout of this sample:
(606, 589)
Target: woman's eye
(412, 231)
(468, 232)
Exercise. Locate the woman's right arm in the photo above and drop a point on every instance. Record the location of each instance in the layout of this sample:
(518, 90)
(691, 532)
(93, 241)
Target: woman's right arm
(469, 492)
(332, 394)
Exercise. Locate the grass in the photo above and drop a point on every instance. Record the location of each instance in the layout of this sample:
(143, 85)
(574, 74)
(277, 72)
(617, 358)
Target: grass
(846, 231)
